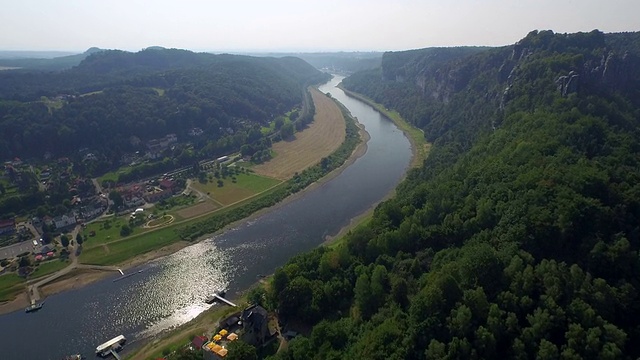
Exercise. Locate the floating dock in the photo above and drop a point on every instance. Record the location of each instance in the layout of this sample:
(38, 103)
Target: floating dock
(127, 275)
(219, 296)
(111, 346)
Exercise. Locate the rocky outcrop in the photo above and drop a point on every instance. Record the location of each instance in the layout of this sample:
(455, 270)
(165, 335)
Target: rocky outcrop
(568, 84)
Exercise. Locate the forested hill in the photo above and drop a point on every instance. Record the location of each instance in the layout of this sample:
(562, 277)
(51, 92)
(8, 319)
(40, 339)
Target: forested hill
(115, 101)
(519, 236)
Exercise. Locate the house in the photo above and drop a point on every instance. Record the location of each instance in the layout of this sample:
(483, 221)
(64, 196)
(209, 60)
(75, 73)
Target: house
(90, 212)
(48, 220)
(198, 341)
(255, 323)
(156, 196)
(167, 185)
(7, 226)
(64, 220)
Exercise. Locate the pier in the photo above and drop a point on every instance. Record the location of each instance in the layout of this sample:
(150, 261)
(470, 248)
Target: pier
(219, 296)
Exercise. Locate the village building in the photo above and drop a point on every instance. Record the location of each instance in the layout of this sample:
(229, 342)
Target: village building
(7, 226)
(255, 325)
(65, 220)
(157, 146)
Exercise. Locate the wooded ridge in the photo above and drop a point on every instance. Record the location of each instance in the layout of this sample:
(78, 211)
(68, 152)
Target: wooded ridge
(518, 238)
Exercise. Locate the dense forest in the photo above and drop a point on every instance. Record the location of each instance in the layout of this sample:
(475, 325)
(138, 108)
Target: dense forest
(114, 102)
(518, 237)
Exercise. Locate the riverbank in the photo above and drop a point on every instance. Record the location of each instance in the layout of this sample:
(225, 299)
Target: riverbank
(82, 277)
(419, 145)
(182, 335)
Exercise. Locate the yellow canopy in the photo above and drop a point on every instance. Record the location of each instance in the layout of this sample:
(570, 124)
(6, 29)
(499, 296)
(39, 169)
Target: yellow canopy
(217, 337)
(232, 336)
(223, 332)
(216, 348)
(222, 352)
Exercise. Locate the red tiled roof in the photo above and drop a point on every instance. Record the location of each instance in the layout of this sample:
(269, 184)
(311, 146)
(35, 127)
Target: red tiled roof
(198, 341)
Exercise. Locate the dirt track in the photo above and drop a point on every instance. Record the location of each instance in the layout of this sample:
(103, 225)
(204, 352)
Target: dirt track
(320, 139)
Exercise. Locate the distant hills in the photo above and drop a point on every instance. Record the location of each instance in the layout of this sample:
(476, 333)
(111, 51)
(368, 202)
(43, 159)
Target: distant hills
(39, 60)
(147, 95)
(346, 62)
(20, 54)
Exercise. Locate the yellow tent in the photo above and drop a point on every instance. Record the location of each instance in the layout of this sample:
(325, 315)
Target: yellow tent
(223, 352)
(232, 337)
(217, 337)
(223, 332)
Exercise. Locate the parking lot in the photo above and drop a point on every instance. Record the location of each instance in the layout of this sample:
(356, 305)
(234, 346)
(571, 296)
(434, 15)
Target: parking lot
(15, 249)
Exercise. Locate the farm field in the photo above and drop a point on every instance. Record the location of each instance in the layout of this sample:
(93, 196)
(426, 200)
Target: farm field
(320, 139)
(196, 210)
(246, 185)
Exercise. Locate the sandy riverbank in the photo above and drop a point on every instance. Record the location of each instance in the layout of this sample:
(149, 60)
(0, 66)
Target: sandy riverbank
(82, 277)
(79, 277)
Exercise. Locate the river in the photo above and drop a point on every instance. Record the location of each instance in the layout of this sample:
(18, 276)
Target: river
(170, 291)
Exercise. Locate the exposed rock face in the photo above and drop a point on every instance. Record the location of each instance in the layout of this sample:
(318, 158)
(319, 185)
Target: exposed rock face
(568, 84)
(612, 71)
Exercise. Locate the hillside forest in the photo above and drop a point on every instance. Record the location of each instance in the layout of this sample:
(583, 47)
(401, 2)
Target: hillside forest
(150, 112)
(516, 239)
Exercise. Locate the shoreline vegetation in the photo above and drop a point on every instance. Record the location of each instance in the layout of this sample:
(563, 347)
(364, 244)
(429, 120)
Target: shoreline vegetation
(419, 145)
(173, 339)
(184, 233)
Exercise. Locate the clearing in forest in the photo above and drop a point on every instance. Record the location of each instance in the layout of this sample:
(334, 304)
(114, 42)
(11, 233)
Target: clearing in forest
(323, 136)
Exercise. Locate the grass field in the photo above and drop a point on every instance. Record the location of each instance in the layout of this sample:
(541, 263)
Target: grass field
(160, 221)
(323, 136)
(106, 231)
(245, 186)
(49, 267)
(113, 175)
(116, 252)
(10, 286)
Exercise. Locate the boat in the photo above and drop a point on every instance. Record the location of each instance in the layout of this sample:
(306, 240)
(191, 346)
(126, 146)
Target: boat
(113, 344)
(73, 357)
(33, 307)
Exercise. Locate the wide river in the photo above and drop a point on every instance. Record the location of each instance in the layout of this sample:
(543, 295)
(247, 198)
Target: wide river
(170, 291)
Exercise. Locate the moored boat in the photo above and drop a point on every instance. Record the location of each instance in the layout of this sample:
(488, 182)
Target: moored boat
(33, 307)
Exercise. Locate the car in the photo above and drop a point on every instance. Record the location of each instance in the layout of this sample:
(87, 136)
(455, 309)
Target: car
(35, 243)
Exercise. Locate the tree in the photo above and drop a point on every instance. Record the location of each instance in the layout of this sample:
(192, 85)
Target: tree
(287, 130)
(279, 122)
(64, 240)
(116, 198)
(240, 350)
(79, 239)
(24, 261)
(257, 296)
(46, 237)
(125, 230)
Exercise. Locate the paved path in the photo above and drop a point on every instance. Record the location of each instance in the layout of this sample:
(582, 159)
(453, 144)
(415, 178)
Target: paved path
(33, 288)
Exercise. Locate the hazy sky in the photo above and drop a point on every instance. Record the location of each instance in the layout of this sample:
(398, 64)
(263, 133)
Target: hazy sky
(298, 25)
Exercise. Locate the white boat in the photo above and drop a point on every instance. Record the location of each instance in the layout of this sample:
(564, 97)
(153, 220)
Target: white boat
(113, 344)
